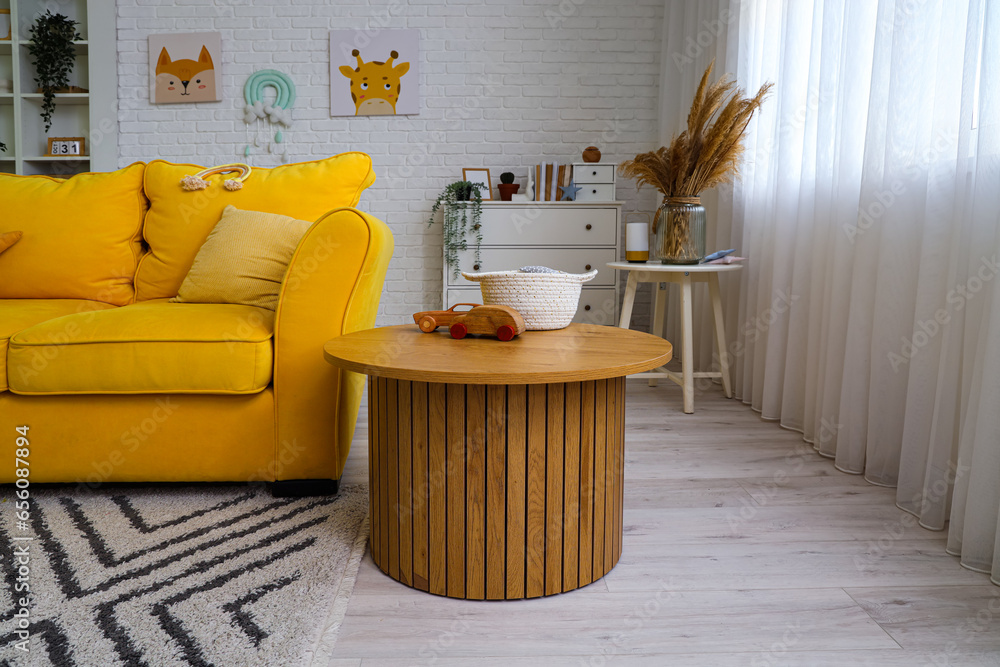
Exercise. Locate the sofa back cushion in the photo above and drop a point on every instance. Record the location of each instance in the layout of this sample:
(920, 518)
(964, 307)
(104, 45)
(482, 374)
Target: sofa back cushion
(179, 221)
(81, 236)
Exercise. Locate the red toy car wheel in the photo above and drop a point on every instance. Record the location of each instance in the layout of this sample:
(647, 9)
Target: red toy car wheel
(458, 330)
(505, 332)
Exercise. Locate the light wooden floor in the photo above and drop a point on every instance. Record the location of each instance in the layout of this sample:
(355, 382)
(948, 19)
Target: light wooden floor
(742, 547)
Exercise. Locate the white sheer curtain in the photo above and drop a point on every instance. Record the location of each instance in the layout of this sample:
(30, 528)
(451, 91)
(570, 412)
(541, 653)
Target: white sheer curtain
(870, 207)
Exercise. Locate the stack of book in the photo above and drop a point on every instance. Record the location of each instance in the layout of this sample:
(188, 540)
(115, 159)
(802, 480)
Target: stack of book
(547, 178)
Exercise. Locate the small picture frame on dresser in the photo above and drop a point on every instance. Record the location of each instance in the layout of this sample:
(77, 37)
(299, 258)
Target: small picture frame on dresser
(480, 177)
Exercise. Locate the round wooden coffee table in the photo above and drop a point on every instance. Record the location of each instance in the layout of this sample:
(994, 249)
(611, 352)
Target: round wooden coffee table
(497, 467)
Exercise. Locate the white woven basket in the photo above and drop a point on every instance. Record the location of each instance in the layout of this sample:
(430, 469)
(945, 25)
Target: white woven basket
(545, 300)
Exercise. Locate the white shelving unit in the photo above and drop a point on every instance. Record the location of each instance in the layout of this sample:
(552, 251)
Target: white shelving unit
(92, 115)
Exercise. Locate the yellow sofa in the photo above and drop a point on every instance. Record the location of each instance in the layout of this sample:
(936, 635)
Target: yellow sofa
(117, 384)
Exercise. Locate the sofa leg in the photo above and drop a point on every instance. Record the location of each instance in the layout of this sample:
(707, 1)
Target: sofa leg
(298, 488)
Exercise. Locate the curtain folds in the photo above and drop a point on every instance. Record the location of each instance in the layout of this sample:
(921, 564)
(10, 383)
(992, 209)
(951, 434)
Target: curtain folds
(868, 315)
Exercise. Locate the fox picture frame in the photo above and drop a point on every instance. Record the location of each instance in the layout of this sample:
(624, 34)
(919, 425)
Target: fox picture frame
(185, 68)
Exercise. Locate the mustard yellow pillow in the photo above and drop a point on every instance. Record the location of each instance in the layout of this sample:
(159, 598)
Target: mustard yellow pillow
(179, 221)
(7, 239)
(243, 260)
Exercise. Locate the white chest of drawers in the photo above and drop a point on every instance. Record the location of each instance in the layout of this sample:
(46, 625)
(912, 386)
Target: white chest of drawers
(570, 236)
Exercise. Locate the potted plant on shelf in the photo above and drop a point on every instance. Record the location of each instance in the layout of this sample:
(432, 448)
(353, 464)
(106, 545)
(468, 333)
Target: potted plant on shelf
(463, 209)
(704, 155)
(54, 56)
(507, 186)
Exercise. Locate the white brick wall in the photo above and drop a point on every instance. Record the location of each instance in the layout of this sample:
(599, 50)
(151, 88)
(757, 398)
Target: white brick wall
(505, 84)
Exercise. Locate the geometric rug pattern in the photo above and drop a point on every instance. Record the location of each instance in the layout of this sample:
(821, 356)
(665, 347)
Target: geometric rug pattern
(180, 575)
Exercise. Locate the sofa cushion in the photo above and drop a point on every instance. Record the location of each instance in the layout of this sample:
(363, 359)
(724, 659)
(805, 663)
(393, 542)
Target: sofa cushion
(82, 235)
(244, 259)
(179, 221)
(18, 314)
(149, 347)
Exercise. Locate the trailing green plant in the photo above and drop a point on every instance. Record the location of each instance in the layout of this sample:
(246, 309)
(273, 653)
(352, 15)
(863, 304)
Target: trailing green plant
(507, 178)
(3, 147)
(54, 57)
(463, 210)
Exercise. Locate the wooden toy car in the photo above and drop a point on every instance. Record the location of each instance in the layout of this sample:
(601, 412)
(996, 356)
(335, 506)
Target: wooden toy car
(500, 321)
(429, 320)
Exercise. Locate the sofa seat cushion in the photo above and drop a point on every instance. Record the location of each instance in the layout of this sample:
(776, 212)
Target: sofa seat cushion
(150, 347)
(179, 221)
(18, 314)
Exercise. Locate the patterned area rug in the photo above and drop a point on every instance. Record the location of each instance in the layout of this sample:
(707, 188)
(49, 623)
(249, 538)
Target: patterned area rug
(202, 575)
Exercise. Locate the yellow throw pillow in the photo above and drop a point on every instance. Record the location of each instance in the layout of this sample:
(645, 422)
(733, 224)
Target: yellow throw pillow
(243, 260)
(179, 221)
(8, 239)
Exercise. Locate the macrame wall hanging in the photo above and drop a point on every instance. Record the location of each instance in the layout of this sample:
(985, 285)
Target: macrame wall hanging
(260, 116)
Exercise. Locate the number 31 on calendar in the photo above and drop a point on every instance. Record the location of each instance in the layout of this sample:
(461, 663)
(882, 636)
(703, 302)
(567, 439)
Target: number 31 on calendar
(66, 146)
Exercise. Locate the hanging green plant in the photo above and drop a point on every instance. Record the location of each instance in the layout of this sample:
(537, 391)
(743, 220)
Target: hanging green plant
(54, 57)
(3, 147)
(463, 209)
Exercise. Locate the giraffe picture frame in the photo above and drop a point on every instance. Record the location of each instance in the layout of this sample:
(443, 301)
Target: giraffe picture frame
(374, 74)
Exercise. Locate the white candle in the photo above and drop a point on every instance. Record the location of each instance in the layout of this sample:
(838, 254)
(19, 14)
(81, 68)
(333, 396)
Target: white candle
(636, 241)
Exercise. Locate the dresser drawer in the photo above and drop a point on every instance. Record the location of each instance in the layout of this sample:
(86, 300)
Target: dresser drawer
(597, 305)
(596, 192)
(537, 226)
(571, 260)
(598, 173)
(455, 295)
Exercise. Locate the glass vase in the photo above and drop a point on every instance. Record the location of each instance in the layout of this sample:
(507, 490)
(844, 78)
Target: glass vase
(680, 231)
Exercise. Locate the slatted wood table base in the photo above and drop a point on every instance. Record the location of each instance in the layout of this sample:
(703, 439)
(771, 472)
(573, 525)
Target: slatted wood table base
(496, 491)
(496, 468)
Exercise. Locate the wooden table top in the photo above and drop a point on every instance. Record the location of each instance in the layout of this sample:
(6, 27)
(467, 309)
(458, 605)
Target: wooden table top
(576, 353)
(659, 267)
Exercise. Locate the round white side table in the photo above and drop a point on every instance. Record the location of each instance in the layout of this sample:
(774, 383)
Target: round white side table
(684, 275)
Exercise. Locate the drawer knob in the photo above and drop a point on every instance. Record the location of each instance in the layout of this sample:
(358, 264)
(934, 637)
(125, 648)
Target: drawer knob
(587, 307)
(475, 267)
(588, 267)
(589, 227)
(595, 192)
(595, 173)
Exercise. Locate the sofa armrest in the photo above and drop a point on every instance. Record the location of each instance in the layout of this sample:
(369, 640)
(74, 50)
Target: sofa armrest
(333, 286)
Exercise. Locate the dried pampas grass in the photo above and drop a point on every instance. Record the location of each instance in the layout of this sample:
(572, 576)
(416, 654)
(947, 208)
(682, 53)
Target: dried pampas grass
(708, 152)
